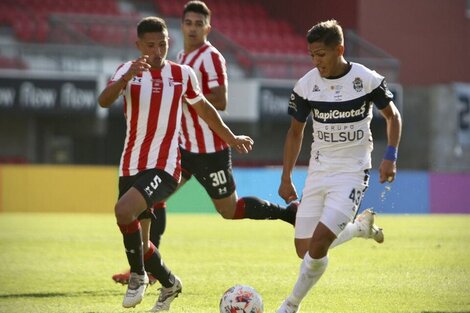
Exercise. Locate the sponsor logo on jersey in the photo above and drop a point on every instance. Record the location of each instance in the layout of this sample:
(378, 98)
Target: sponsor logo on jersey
(357, 84)
(337, 114)
(316, 88)
(347, 136)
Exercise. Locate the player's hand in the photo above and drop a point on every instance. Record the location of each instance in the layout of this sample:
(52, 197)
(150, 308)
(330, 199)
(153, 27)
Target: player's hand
(387, 171)
(137, 67)
(287, 192)
(243, 144)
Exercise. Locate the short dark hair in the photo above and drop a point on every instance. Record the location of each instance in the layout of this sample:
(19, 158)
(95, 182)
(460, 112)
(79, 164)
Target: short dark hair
(197, 7)
(151, 24)
(328, 32)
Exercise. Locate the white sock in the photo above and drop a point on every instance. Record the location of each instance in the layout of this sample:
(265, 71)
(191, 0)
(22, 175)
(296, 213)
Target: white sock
(310, 272)
(348, 233)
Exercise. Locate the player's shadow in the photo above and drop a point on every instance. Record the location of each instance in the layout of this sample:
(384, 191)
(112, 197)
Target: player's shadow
(93, 293)
(445, 312)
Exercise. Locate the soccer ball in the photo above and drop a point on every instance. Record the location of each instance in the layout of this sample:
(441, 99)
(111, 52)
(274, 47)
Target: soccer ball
(241, 299)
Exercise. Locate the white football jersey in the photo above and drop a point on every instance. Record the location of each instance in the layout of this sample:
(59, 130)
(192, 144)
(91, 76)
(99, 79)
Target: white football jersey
(153, 108)
(341, 112)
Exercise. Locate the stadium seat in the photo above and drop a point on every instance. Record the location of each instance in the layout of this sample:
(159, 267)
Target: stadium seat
(30, 27)
(12, 63)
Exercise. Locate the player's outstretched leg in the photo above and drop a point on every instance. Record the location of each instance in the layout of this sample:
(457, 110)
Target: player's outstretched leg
(363, 227)
(258, 209)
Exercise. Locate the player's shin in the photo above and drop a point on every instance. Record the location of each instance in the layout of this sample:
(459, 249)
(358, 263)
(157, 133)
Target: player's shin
(347, 234)
(311, 271)
(157, 228)
(132, 237)
(154, 264)
(258, 209)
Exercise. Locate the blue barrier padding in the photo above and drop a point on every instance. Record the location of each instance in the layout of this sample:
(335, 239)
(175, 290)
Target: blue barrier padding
(408, 194)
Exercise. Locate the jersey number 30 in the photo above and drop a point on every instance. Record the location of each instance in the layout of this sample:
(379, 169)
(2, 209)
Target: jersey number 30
(218, 178)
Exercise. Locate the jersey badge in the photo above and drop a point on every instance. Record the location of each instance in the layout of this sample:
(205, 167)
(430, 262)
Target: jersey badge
(157, 85)
(357, 84)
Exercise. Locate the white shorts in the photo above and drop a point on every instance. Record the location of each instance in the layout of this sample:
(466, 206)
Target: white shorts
(332, 199)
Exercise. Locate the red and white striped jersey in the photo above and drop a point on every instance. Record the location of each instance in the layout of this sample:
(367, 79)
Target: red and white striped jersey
(209, 66)
(153, 108)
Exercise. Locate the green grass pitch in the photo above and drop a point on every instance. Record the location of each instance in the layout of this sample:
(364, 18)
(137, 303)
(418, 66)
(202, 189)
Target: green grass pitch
(63, 263)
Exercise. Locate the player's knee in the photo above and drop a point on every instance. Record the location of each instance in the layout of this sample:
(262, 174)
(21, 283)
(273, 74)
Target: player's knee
(319, 247)
(301, 251)
(123, 214)
(119, 212)
(301, 247)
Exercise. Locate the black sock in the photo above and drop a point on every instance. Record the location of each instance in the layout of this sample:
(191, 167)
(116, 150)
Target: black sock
(132, 237)
(154, 264)
(258, 209)
(157, 228)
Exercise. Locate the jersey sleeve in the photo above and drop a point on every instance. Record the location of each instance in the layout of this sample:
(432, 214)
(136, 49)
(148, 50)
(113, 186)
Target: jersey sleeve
(299, 107)
(193, 92)
(381, 96)
(216, 70)
(179, 56)
(121, 70)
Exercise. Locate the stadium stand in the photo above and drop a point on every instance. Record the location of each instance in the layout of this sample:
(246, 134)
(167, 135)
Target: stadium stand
(261, 45)
(249, 26)
(64, 21)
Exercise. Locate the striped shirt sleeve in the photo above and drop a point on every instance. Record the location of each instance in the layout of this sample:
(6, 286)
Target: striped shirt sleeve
(193, 92)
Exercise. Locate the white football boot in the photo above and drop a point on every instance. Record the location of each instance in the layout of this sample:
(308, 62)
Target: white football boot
(167, 295)
(135, 290)
(287, 307)
(367, 228)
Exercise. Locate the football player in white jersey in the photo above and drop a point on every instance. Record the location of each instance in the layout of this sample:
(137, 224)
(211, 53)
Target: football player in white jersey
(339, 95)
(153, 90)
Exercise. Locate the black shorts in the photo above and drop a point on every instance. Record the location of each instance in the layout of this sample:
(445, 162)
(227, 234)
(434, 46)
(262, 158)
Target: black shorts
(155, 185)
(212, 170)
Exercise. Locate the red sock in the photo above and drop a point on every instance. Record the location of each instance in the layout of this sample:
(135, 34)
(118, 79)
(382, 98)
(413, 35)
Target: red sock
(239, 209)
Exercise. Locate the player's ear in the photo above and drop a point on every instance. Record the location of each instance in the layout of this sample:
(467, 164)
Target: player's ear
(208, 29)
(340, 50)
